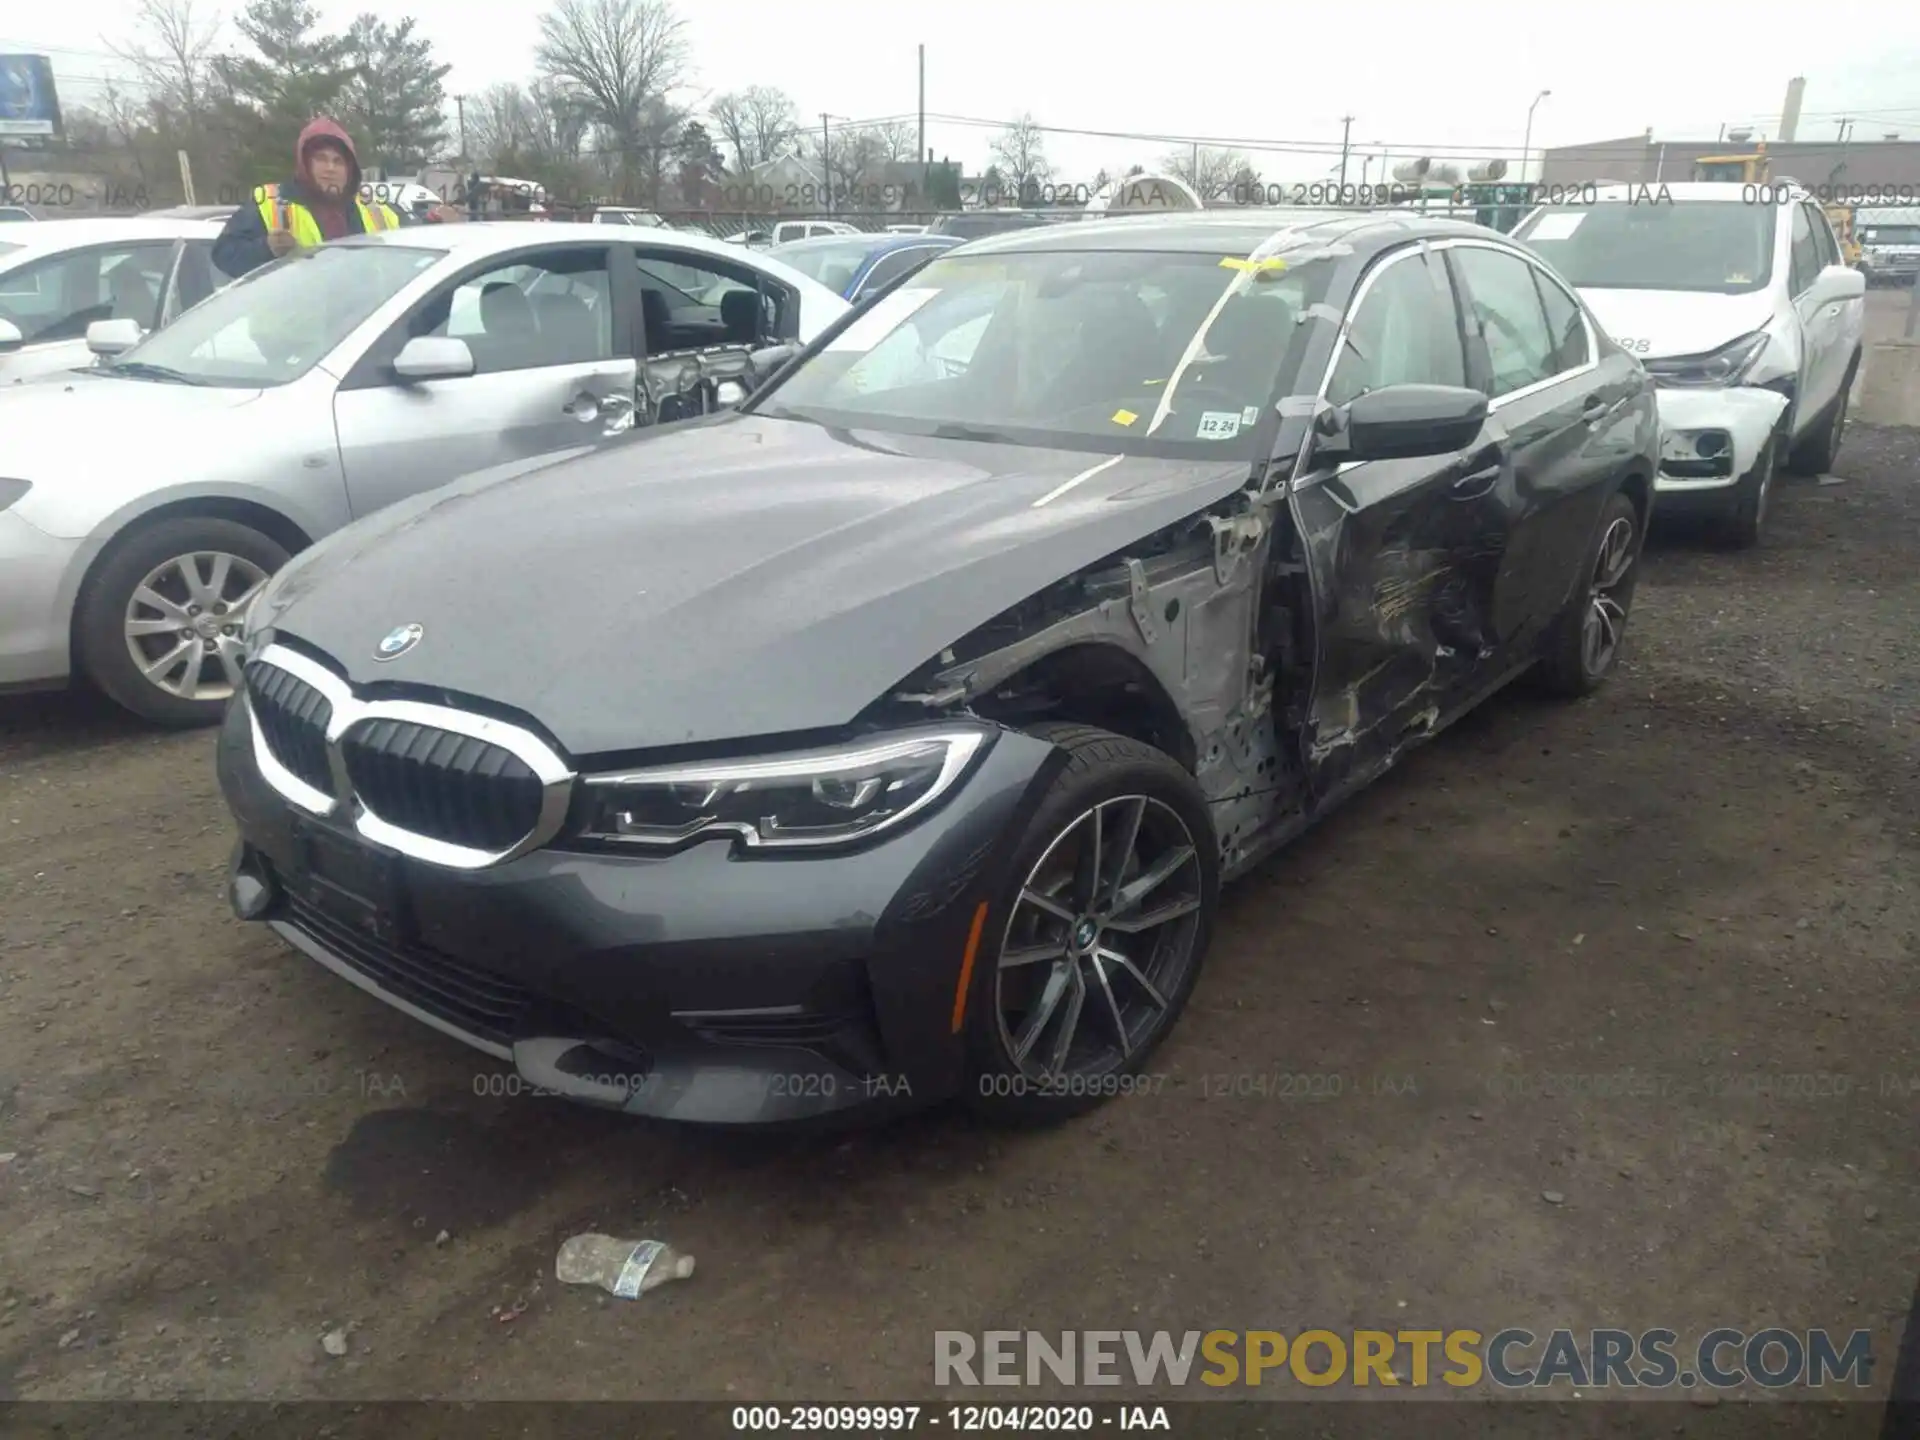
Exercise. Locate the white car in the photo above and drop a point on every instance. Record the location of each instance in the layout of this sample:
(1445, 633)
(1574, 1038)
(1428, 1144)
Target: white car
(57, 279)
(144, 502)
(783, 231)
(1744, 313)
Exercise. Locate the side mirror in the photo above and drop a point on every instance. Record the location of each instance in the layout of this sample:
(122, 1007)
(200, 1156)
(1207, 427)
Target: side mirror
(1845, 282)
(1402, 422)
(112, 337)
(10, 336)
(433, 357)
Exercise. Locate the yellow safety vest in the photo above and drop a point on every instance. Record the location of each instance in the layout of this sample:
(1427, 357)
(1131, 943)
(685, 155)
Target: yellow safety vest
(279, 213)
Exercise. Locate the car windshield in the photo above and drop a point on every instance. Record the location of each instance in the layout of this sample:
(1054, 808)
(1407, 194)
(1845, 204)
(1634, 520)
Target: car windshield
(1113, 351)
(276, 324)
(833, 263)
(1717, 246)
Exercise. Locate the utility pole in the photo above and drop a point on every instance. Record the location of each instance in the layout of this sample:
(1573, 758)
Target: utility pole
(460, 104)
(1346, 133)
(826, 164)
(923, 120)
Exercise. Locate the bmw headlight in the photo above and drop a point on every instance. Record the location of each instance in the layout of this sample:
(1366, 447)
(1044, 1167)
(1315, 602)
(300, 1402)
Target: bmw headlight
(1724, 366)
(807, 798)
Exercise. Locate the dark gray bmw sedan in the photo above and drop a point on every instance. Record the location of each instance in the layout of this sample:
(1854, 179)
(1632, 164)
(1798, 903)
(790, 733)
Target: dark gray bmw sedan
(890, 738)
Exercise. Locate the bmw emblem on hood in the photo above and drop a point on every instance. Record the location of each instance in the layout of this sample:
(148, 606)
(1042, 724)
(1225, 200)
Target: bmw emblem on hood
(398, 642)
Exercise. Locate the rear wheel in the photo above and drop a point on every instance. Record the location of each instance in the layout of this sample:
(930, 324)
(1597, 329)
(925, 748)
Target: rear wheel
(1586, 640)
(1101, 936)
(158, 625)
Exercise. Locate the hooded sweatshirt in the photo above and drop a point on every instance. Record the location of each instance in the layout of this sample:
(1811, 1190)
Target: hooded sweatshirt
(334, 217)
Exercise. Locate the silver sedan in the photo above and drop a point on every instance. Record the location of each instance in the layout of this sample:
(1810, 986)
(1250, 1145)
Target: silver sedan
(145, 501)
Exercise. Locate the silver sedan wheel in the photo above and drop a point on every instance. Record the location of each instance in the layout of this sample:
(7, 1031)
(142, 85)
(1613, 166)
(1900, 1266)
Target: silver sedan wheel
(184, 622)
(1101, 940)
(1607, 596)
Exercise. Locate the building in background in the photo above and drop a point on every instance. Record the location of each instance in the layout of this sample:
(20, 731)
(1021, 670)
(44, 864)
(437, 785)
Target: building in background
(1851, 169)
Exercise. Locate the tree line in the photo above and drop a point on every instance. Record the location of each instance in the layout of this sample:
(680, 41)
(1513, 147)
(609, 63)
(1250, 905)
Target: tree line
(610, 111)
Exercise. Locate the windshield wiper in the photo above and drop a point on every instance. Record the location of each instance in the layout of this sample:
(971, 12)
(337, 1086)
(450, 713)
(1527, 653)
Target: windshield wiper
(146, 370)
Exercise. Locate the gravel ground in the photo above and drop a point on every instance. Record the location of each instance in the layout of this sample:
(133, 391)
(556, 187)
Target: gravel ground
(212, 1153)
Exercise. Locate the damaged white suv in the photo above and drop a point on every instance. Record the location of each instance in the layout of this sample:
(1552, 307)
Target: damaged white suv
(1737, 301)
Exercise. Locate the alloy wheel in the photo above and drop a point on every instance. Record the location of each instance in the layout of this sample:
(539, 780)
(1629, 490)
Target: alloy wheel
(184, 623)
(1607, 596)
(1101, 941)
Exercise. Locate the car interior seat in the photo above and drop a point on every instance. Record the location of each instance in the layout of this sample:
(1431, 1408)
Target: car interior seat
(568, 333)
(740, 313)
(133, 297)
(657, 316)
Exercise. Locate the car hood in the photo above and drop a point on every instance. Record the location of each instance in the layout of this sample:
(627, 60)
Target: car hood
(46, 422)
(1678, 322)
(736, 578)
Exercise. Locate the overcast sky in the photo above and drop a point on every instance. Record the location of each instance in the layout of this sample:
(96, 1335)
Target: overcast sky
(1453, 80)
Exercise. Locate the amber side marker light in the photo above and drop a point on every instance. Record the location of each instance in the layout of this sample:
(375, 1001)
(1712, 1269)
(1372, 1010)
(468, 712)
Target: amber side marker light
(966, 966)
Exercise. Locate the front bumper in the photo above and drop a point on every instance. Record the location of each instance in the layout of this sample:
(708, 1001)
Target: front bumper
(706, 985)
(34, 621)
(1745, 415)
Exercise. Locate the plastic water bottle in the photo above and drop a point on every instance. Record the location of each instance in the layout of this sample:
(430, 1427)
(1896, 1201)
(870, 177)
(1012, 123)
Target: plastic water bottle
(624, 1268)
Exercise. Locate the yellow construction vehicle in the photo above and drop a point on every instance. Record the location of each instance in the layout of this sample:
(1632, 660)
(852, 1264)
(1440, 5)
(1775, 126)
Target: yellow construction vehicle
(1757, 169)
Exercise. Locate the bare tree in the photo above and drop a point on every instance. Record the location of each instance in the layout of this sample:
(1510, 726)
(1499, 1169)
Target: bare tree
(1209, 171)
(622, 57)
(172, 56)
(899, 140)
(500, 121)
(756, 123)
(851, 161)
(1019, 154)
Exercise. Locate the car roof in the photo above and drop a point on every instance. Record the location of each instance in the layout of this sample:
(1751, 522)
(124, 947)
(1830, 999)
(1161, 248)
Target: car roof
(1233, 232)
(53, 235)
(477, 238)
(876, 243)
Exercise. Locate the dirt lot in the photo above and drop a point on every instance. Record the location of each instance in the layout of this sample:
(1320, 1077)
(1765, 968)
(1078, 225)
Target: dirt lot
(214, 1152)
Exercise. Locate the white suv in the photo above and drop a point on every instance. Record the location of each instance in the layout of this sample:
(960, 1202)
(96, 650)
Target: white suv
(1737, 301)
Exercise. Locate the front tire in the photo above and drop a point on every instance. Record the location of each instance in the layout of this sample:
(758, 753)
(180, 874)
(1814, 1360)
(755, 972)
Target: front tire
(1815, 455)
(1585, 641)
(1741, 526)
(1100, 936)
(158, 624)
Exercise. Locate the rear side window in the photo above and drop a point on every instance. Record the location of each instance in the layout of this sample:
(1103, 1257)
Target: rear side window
(1823, 241)
(1806, 257)
(1564, 326)
(1506, 302)
(1405, 332)
(900, 262)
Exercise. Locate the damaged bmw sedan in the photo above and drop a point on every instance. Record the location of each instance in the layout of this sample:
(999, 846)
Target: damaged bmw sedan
(890, 738)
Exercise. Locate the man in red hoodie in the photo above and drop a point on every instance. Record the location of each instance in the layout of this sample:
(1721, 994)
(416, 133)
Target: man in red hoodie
(322, 202)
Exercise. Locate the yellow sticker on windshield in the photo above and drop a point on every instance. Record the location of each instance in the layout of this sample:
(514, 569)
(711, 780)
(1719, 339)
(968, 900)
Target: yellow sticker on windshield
(1124, 417)
(1272, 262)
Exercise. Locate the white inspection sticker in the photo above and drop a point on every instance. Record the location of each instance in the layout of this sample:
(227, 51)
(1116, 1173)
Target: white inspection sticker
(1557, 226)
(1218, 425)
(886, 316)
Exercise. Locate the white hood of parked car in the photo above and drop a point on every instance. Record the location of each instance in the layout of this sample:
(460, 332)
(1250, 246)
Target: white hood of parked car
(83, 417)
(1678, 322)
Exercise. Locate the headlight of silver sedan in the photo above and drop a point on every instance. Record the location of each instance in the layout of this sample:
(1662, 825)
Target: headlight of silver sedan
(804, 799)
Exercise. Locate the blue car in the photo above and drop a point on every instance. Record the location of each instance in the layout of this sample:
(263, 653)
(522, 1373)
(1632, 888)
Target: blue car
(856, 266)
